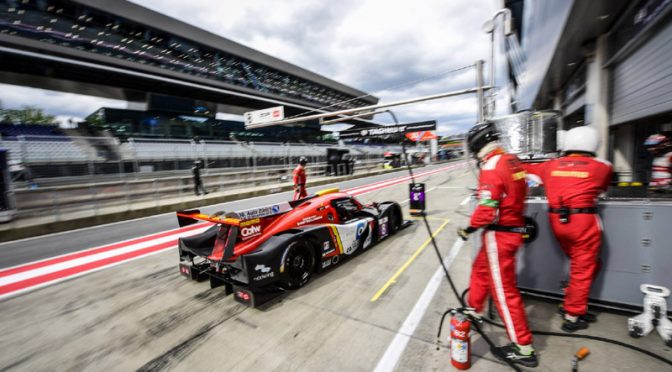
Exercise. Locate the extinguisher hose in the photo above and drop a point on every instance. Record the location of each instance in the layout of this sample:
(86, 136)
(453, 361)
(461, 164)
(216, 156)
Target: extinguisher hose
(476, 324)
(589, 337)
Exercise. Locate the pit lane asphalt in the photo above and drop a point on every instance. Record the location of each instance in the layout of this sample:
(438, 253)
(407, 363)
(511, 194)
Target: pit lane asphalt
(32, 249)
(144, 315)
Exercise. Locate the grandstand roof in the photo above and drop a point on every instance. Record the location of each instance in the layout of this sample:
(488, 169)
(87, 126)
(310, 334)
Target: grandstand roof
(80, 45)
(142, 15)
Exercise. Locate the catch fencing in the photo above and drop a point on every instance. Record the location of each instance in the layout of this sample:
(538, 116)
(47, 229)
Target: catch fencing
(41, 160)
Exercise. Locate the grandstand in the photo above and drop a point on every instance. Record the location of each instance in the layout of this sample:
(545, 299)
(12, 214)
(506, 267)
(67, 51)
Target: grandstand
(50, 152)
(39, 143)
(121, 50)
(43, 150)
(9, 131)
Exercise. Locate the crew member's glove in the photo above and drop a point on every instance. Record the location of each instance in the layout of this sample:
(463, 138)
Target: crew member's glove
(464, 233)
(471, 312)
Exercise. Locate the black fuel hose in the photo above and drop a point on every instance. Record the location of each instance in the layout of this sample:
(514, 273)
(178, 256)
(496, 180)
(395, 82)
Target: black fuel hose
(589, 337)
(477, 326)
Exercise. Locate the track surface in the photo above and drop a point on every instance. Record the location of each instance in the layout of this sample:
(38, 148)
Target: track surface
(27, 250)
(142, 315)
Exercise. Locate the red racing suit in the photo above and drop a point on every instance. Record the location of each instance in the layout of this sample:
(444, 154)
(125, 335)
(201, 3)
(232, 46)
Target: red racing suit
(575, 181)
(299, 176)
(661, 172)
(501, 201)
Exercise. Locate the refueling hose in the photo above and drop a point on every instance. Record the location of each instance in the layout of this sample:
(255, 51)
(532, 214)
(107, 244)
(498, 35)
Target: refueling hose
(476, 322)
(596, 338)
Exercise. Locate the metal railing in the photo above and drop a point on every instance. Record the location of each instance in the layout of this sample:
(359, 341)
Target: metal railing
(90, 200)
(45, 160)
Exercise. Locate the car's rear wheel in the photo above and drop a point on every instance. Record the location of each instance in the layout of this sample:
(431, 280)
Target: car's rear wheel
(298, 262)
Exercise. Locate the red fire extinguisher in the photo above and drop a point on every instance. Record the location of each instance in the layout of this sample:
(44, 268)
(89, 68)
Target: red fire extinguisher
(460, 341)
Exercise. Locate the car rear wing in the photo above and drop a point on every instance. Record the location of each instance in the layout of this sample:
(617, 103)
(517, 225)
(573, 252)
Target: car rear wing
(226, 236)
(190, 217)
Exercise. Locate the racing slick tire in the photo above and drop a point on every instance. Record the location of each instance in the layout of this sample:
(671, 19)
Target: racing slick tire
(394, 221)
(299, 264)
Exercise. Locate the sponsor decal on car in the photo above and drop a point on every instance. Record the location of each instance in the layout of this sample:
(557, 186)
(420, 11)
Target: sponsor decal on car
(253, 221)
(326, 264)
(382, 227)
(262, 268)
(360, 229)
(250, 231)
(327, 249)
(264, 211)
(265, 272)
(350, 235)
(369, 236)
(308, 220)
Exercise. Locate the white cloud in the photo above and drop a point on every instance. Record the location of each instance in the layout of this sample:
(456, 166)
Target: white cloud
(372, 45)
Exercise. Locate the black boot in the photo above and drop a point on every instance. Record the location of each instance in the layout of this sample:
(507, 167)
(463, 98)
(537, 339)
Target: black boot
(513, 354)
(589, 317)
(570, 326)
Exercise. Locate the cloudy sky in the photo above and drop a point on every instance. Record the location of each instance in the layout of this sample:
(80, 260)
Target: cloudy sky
(378, 46)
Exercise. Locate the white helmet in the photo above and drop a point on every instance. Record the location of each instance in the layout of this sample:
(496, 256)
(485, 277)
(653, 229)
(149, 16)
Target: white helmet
(560, 140)
(584, 139)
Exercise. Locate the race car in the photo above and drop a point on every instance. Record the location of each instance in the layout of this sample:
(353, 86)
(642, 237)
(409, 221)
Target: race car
(259, 253)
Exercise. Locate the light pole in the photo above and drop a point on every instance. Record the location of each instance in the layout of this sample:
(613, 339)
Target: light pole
(489, 28)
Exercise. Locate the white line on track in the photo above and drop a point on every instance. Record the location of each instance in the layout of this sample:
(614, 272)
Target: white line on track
(59, 280)
(91, 258)
(400, 341)
(466, 200)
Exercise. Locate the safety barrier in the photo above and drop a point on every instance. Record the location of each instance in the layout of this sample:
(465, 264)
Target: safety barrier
(41, 159)
(89, 198)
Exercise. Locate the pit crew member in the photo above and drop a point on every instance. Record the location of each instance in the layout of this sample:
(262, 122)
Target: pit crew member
(501, 201)
(300, 179)
(573, 183)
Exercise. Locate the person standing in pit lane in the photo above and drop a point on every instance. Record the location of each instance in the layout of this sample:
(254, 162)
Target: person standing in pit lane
(501, 201)
(198, 183)
(299, 177)
(573, 183)
(660, 146)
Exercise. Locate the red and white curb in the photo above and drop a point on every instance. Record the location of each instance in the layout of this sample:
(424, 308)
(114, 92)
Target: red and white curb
(26, 277)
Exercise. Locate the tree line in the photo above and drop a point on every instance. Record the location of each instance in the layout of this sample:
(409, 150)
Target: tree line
(26, 115)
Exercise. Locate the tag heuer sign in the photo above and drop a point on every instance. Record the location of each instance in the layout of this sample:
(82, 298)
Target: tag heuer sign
(389, 130)
(265, 115)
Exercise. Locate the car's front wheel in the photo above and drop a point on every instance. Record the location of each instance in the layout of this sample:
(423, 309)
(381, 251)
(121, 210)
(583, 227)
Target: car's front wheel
(298, 263)
(394, 222)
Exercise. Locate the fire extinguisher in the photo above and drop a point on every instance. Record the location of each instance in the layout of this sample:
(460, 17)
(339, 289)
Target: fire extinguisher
(460, 341)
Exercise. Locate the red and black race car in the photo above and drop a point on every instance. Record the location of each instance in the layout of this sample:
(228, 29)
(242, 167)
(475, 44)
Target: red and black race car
(258, 253)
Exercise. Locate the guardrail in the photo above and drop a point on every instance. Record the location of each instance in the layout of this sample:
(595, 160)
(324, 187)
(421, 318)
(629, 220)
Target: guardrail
(45, 158)
(90, 198)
